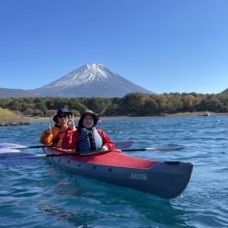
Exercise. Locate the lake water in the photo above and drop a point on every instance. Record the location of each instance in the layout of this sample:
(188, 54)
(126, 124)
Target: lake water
(40, 194)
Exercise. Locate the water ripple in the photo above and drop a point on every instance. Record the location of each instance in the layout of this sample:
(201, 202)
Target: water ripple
(40, 194)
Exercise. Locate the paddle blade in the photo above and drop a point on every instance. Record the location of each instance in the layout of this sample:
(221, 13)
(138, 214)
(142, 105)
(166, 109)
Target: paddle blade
(11, 145)
(13, 158)
(124, 144)
(165, 149)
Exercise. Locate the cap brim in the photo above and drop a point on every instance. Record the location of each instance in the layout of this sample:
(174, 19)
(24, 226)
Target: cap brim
(68, 113)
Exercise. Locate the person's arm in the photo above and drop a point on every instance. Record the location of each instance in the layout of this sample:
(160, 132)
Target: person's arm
(46, 137)
(108, 144)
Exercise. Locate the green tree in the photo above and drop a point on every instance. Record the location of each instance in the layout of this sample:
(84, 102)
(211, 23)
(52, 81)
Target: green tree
(150, 107)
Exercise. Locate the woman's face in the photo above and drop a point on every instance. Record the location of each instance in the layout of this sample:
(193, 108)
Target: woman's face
(88, 121)
(61, 118)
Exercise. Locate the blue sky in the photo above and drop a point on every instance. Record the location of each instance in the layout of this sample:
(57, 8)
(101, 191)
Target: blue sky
(161, 45)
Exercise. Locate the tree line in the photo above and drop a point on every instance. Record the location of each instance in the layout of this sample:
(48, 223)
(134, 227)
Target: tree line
(133, 104)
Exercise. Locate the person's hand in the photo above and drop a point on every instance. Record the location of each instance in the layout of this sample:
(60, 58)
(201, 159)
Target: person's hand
(70, 122)
(48, 130)
(104, 148)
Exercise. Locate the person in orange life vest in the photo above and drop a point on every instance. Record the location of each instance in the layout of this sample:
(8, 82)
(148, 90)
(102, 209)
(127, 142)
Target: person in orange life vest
(87, 137)
(54, 135)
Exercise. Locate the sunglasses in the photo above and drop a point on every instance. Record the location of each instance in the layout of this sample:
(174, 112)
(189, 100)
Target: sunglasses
(62, 116)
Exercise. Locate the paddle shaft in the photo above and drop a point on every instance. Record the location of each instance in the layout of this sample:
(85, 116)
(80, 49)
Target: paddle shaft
(153, 149)
(124, 150)
(121, 144)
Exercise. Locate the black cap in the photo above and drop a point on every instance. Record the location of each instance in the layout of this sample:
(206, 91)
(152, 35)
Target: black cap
(61, 111)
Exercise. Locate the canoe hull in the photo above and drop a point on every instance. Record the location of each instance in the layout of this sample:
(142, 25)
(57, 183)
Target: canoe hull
(164, 179)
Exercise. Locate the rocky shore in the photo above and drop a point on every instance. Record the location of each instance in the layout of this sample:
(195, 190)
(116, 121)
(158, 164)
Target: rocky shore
(5, 124)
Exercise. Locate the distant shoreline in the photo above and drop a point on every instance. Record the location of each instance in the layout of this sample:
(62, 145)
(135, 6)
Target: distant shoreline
(180, 114)
(29, 120)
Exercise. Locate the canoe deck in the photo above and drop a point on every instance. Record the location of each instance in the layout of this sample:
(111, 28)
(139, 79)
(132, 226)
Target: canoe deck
(113, 158)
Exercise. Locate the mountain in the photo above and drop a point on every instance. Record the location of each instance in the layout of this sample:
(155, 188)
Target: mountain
(224, 92)
(7, 93)
(90, 80)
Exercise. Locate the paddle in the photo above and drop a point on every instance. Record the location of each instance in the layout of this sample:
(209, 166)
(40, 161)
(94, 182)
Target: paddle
(120, 144)
(15, 157)
(11, 156)
(154, 149)
(14, 153)
(123, 150)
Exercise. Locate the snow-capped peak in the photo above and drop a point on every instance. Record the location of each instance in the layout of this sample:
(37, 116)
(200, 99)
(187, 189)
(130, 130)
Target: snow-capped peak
(90, 80)
(82, 75)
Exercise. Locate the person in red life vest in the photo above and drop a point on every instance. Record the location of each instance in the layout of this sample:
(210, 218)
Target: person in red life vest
(87, 138)
(54, 135)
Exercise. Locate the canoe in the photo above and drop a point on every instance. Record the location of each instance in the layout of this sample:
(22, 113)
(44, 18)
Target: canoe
(166, 179)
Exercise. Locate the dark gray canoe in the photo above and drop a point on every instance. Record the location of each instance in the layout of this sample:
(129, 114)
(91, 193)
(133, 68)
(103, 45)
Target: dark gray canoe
(166, 179)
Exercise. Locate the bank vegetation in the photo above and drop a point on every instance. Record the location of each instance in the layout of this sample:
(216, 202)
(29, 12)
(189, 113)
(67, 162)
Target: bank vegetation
(10, 118)
(133, 104)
